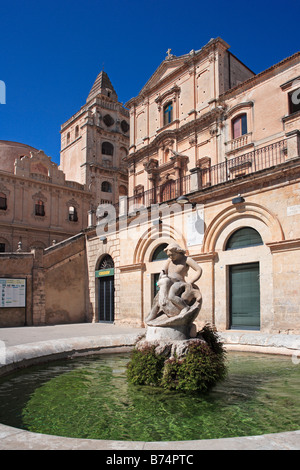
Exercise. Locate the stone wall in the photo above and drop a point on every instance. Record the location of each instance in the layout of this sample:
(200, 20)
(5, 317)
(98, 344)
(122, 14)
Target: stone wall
(14, 265)
(57, 290)
(65, 272)
(271, 207)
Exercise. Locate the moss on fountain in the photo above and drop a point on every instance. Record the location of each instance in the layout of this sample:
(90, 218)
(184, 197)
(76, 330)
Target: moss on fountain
(196, 364)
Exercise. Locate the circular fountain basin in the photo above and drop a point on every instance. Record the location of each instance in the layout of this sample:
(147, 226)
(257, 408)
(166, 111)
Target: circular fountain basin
(13, 435)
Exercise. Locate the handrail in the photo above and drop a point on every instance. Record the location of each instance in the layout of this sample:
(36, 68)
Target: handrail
(202, 178)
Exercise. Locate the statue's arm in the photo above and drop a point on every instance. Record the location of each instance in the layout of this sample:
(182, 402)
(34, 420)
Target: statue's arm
(166, 266)
(192, 263)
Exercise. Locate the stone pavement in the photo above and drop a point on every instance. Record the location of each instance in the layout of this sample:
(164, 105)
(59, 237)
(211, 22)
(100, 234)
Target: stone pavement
(26, 345)
(32, 334)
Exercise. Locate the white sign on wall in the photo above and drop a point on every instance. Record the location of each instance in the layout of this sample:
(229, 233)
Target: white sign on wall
(195, 226)
(12, 293)
(293, 210)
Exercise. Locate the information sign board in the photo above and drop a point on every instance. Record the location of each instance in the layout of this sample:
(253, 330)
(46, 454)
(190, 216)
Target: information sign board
(12, 293)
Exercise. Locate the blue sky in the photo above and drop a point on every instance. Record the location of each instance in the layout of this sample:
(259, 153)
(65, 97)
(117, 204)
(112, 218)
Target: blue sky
(51, 52)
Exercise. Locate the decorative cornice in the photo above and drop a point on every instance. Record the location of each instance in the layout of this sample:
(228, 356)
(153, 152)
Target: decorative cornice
(205, 119)
(39, 196)
(294, 81)
(172, 92)
(238, 107)
(132, 267)
(285, 245)
(204, 257)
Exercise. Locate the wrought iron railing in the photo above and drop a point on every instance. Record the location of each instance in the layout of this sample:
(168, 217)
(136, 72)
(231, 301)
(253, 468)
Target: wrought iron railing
(202, 178)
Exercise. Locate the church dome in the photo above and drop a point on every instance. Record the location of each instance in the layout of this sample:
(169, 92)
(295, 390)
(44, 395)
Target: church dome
(9, 151)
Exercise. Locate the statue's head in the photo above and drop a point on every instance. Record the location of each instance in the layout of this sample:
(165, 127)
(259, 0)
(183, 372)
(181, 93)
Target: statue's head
(174, 248)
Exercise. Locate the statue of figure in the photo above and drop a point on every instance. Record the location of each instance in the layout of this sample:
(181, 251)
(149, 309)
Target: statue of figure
(178, 302)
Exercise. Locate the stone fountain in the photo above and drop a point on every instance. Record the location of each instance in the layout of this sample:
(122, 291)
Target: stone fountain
(177, 304)
(171, 333)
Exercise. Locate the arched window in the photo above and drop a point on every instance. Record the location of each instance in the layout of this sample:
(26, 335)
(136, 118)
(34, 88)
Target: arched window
(168, 113)
(106, 262)
(159, 253)
(40, 208)
(73, 216)
(4, 245)
(76, 132)
(239, 126)
(68, 137)
(106, 187)
(244, 237)
(3, 202)
(107, 148)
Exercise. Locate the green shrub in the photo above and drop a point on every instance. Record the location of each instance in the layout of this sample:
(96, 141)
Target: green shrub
(145, 367)
(209, 334)
(200, 369)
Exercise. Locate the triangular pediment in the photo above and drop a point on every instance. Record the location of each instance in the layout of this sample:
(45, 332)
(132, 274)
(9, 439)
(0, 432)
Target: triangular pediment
(169, 67)
(165, 69)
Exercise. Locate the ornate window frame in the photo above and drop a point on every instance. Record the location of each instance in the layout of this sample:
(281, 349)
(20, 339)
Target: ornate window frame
(72, 215)
(170, 96)
(244, 141)
(36, 198)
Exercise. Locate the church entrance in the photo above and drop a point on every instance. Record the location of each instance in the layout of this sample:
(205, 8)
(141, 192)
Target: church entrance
(105, 290)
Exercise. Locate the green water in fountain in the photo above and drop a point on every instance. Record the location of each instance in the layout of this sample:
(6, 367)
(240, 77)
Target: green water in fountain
(90, 397)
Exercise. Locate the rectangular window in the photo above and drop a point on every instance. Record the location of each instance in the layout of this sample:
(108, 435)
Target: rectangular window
(3, 203)
(239, 126)
(2, 247)
(40, 209)
(73, 217)
(168, 113)
(294, 101)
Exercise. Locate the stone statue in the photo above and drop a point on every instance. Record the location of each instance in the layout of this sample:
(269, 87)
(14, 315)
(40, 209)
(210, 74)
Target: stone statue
(178, 301)
(171, 339)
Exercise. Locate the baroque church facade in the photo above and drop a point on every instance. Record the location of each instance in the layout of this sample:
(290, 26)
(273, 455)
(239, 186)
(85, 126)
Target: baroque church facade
(212, 155)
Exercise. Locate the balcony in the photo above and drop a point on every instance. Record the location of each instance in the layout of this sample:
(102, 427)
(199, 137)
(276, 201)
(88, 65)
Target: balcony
(241, 142)
(202, 178)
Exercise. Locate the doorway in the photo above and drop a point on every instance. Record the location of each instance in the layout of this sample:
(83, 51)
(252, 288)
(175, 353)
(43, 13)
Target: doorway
(106, 299)
(244, 286)
(106, 290)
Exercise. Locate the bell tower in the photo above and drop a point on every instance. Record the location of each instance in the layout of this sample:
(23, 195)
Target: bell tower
(95, 142)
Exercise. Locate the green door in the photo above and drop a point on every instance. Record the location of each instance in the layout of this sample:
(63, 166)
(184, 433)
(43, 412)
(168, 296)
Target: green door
(244, 296)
